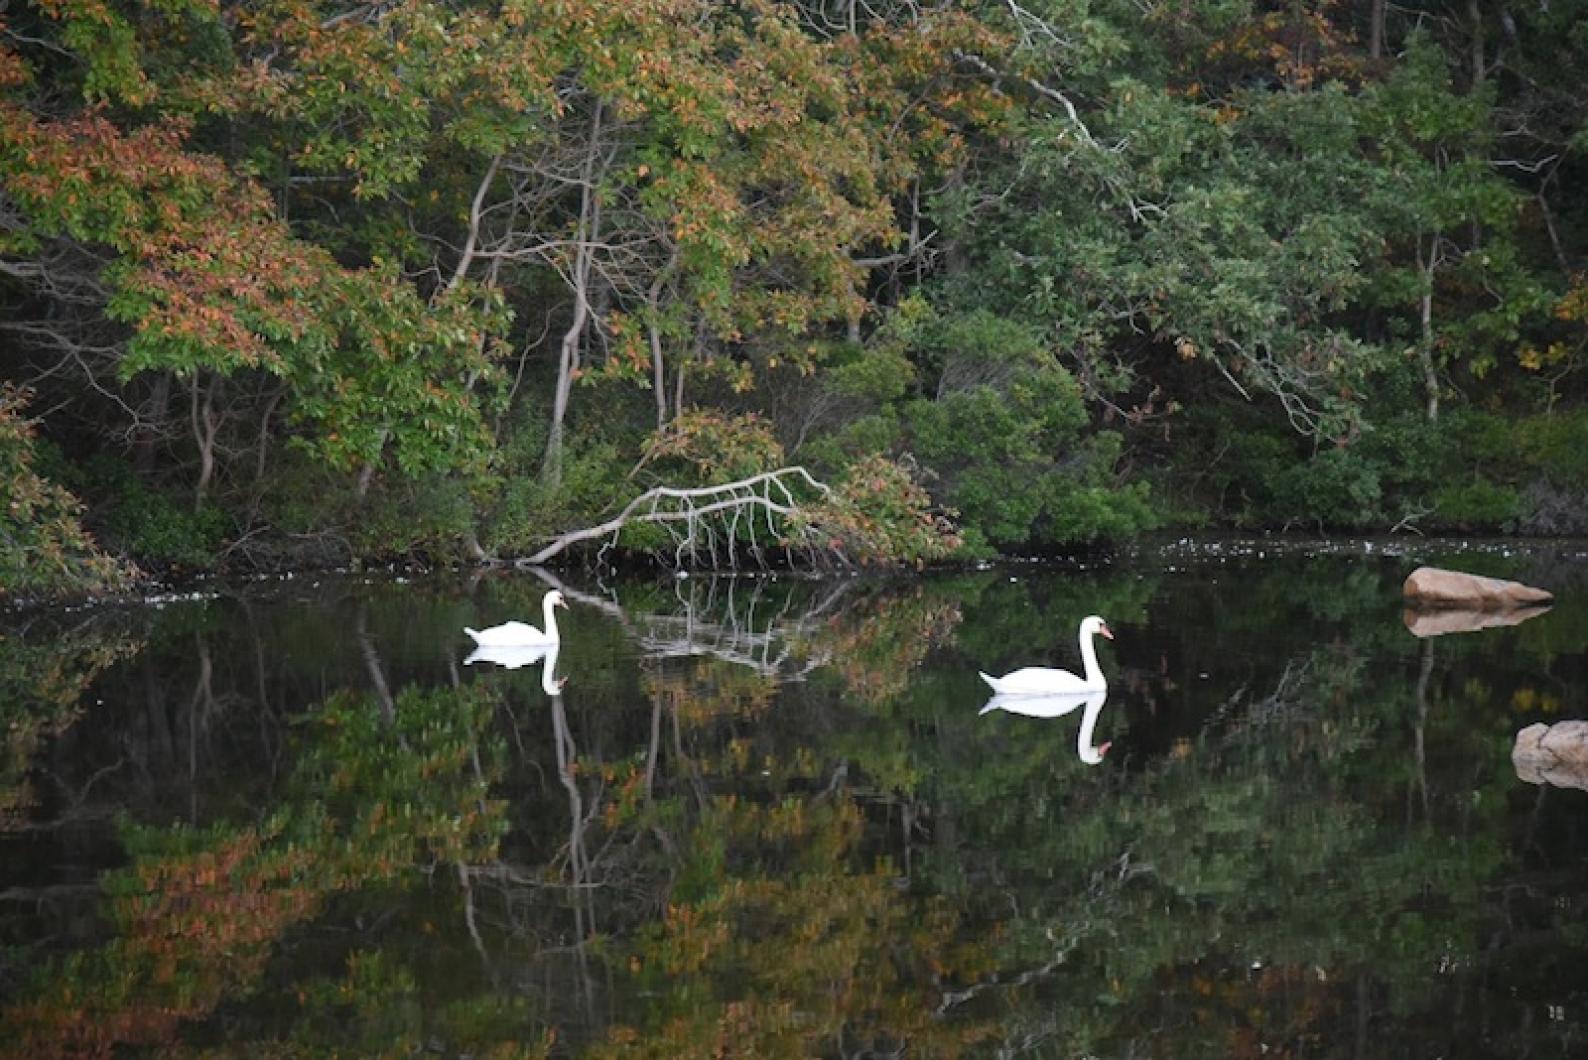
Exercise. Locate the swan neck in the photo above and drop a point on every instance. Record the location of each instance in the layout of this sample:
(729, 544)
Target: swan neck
(549, 610)
(1094, 673)
(1085, 748)
(548, 674)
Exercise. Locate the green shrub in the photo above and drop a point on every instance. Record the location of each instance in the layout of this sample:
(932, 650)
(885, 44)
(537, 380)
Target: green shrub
(151, 525)
(1556, 446)
(526, 510)
(1477, 505)
(831, 451)
(1225, 463)
(1464, 471)
(1074, 512)
(432, 515)
(1019, 467)
(1337, 488)
(43, 546)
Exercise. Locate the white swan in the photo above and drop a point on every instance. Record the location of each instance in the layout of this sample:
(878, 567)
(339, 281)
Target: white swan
(519, 634)
(1042, 681)
(1056, 706)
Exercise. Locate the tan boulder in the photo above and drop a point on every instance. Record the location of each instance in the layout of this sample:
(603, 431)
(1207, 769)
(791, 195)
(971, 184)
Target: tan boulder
(1434, 587)
(1553, 754)
(1464, 620)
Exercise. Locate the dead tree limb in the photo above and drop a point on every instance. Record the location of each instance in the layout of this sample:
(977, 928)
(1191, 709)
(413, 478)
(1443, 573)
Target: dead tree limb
(732, 515)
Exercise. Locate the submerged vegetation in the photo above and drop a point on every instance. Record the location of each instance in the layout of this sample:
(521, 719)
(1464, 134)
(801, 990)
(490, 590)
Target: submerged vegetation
(311, 281)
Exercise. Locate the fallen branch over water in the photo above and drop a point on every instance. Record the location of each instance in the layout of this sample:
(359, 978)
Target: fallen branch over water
(702, 518)
(879, 514)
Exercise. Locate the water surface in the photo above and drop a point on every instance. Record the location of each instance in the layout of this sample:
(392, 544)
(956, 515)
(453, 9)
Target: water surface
(765, 817)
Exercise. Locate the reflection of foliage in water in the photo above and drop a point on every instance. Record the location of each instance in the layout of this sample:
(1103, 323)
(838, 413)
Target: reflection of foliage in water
(1257, 890)
(198, 914)
(42, 686)
(779, 941)
(876, 644)
(1232, 894)
(711, 688)
(704, 861)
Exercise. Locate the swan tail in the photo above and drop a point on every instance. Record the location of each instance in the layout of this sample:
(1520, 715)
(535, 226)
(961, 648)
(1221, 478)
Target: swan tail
(992, 682)
(991, 706)
(473, 633)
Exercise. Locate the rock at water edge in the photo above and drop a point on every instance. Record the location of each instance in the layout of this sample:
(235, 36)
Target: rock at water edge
(1436, 587)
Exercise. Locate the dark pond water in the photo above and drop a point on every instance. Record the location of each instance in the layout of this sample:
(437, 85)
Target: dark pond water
(766, 817)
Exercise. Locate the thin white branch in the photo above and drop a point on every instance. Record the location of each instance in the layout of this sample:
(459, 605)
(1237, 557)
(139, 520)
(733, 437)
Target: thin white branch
(475, 209)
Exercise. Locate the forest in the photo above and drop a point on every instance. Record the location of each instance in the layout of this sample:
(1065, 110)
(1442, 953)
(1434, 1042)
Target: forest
(299, 282)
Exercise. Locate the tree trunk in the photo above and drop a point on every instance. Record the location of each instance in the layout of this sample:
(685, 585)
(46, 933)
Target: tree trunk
(568, 358)
(206, 424)
(658, 376)
(1375, 46)
(1425, 358)
(476, 209)
(1425, 341)
(264, 432)
(366, 474)
(1475, 13)
(653, 332)
(153, 417)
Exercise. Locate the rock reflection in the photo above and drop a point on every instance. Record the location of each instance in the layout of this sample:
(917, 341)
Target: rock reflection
(1086, 749)
(1462, 620)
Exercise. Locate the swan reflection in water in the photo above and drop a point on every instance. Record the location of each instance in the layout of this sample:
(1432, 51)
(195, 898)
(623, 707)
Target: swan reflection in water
(1057, 706)
(513, 657)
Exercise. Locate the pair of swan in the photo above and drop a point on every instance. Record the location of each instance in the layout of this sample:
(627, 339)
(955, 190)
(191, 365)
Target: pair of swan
(1042, 692)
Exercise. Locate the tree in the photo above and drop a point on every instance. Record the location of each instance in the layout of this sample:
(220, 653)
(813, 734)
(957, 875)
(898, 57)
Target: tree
(1452, 220)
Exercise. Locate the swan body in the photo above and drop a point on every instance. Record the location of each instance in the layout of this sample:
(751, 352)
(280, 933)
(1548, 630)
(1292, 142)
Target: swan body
(520, 634)
(510, 656)
(1043, 681)
(1057, 706)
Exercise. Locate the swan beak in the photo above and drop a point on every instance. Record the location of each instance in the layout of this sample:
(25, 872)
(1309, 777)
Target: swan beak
(1102, 748)
(560, 602)
(1105, 631)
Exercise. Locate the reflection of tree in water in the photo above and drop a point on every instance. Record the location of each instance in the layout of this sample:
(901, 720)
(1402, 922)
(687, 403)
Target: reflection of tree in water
(877, 645)
(1250, 894)
(779, 941)
(199, 914)
(42, 686)
(757, 623)
(698, 858)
